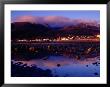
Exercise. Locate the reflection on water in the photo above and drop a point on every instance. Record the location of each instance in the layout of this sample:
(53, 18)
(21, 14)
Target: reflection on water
(68, 66)
(69, 61)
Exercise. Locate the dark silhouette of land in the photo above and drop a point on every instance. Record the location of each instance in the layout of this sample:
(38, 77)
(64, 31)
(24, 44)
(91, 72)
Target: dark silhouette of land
(28, 30)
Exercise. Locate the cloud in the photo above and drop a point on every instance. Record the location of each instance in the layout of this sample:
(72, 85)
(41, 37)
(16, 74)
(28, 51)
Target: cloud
(32, 19)
(54, 20)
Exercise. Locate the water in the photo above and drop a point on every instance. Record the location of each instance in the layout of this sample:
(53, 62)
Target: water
(69, 67)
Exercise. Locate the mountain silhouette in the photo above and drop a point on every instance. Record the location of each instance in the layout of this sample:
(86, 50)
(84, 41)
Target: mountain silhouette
(32, 30)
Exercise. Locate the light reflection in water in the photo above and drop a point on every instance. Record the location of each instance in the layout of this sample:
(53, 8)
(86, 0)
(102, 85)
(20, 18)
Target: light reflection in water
(68, 66)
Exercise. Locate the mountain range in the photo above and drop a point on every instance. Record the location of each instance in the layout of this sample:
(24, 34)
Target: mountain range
(43, 30)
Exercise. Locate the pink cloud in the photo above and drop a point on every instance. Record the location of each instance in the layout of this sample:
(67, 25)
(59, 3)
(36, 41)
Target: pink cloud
(32, 19)
(54, 20)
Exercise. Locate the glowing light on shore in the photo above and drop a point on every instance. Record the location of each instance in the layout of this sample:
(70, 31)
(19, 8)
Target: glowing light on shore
(68, 38)
(64, 38)
(98, 36)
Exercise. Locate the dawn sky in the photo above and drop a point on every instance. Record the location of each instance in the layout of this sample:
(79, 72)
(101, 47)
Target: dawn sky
(93, 15)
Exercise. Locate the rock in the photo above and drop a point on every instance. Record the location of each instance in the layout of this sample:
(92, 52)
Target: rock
(58, 65)
(94, 63)
(86, 65)
(96, 73)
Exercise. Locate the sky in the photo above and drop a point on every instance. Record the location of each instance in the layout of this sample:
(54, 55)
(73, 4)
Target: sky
(72, 14)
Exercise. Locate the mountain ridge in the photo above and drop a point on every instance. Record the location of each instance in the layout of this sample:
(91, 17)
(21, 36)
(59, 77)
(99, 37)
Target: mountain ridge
(33, 30)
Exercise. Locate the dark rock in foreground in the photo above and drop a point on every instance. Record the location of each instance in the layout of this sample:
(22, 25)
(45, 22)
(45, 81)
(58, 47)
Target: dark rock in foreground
(58, 65)
(96, 73)
(18, 70)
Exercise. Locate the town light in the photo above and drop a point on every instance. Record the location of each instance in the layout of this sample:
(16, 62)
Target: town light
(98, 36)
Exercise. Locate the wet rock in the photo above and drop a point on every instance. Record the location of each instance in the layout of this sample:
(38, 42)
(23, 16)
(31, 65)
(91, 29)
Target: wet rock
(33, 66)
(86, 65)
(19, 63)
(58, 65)
(95, 73)
(94, 63)
(27, 71)
(25, 65)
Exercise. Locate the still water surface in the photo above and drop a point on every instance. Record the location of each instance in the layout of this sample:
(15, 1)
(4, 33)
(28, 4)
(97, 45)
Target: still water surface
(64, 66)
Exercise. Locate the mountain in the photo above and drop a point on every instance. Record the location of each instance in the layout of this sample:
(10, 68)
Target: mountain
(81, 29)
(32, 30)
(28, 30)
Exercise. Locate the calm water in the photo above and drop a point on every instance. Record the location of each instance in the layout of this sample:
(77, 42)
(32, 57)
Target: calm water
(69, 67)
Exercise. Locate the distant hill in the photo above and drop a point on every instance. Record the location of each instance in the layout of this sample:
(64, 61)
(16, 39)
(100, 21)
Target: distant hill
(81, 29)
(33, 30)
(28, 30)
